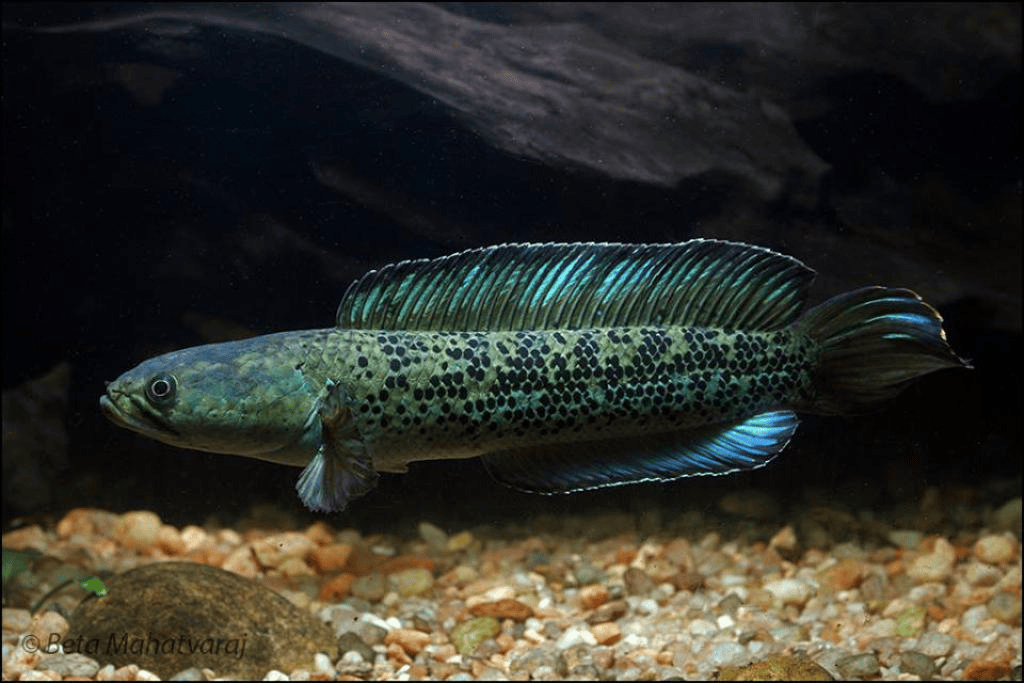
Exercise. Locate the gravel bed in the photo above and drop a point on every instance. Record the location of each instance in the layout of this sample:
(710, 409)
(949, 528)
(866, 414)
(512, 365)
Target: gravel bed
(585, 598)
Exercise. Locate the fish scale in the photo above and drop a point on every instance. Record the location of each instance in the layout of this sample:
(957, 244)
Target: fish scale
(564, 367)
(453, 394)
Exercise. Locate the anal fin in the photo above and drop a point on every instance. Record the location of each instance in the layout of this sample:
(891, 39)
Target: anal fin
(579, 466)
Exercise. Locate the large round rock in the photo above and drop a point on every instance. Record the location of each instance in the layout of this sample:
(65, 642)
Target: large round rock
(170, 616)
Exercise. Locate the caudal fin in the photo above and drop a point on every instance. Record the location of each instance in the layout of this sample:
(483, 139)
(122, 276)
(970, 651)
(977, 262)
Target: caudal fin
(873, 342)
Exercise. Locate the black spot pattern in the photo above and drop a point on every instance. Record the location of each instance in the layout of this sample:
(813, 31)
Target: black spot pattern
(426, 394)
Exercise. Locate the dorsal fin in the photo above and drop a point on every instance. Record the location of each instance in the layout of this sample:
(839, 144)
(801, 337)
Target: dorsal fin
(700, 283)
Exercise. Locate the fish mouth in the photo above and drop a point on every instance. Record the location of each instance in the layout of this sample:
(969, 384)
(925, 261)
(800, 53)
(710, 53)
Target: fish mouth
(134, 417)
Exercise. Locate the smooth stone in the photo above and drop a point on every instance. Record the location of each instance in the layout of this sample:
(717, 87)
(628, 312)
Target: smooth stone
(936, 565)
(77, 665)
(918, 664)
(789, 591)
(240, 628)
(859, 666)
(468, 635)
(995, 549)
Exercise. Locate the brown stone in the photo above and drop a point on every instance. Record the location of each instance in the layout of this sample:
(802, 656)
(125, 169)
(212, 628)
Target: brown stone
(842, 576)
(607, 633)
(329, 558)
(87, 521)
(231, 625)
(610, 611)
(411, 640)
(320, 533)
(502, 609)
(593, 596)
(777, 668)
(363, 560)
(402, 562)
(337, 588)
(985, 671)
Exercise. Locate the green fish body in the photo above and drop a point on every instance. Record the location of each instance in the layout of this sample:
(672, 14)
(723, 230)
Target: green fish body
(564, 366)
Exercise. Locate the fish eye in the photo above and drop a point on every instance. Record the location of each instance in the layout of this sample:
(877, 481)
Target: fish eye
(160, 390)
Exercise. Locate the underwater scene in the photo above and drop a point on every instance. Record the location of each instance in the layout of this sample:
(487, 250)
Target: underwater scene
(511, 341)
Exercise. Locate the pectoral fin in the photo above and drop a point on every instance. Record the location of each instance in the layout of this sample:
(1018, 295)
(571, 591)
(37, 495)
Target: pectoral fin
(342, 468)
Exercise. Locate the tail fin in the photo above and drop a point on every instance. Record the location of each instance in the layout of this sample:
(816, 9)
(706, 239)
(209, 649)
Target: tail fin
(873, 342)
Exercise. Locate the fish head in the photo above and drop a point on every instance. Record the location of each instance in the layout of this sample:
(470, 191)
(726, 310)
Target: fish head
(238, 398)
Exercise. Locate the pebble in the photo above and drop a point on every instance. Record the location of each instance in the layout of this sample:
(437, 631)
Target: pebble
(337, 588)
(784, 540)
(981, 574)
(351, 642)
(593, 596)
(789, 591)
(329, 558)
(1008, 516)
(935, 644)
(1005, 607)
(609, 611)
(858, 666)
(607, 633)
(911, 621)
(502, 609)
(918, 664)
(727, 654)
(434, 536)
(70, 665)
(985, 671)
(936, 565)
(638, 582)
(460, 541)
(410, 640)
(906, 538)
(576, 635)
(972, 617)
(137, 530)
(371, 587)
(625, 605)
(995, 549)
(412, 582)
(841, 576)
(468, 635)
(777, 668)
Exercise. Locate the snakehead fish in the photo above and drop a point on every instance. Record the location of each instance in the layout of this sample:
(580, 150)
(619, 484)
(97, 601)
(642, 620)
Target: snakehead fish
(563, 366)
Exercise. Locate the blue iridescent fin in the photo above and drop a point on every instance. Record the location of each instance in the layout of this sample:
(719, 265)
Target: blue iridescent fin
(700, 283)
(569, 467)
(873, 342)
(342, 469)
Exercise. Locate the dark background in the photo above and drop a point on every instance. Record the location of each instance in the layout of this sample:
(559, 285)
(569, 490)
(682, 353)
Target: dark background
(175, 175)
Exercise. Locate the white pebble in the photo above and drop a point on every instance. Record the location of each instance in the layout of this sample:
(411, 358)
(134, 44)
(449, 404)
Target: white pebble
(934, 644)
(789, 591)
(648, 606)
(633, 641)
(576, 635)
(728, 654)
(500, 593)
(699, 627)
(974, 616)
(322, 664)
(725, 621)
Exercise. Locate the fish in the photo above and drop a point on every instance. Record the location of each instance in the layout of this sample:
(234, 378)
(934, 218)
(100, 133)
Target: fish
(563, 366)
